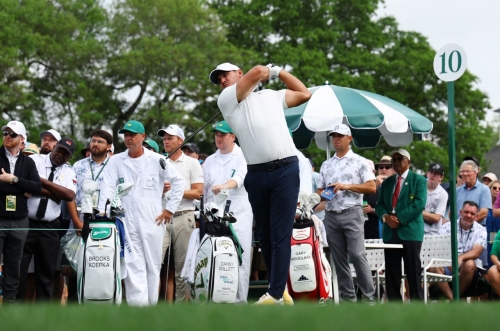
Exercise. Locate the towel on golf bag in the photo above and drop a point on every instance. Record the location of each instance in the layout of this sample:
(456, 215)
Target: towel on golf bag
(190, 263)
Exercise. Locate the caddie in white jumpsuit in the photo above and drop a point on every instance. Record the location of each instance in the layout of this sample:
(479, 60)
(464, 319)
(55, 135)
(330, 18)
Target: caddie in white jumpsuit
(227, 168)
(144, 216)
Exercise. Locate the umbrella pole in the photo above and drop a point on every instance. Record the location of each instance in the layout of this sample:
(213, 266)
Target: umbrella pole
(327, 147)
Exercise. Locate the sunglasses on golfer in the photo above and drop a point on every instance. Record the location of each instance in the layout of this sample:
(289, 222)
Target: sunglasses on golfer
(12, 134)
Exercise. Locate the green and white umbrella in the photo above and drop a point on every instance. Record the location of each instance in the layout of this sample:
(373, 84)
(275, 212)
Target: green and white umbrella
(370, 116)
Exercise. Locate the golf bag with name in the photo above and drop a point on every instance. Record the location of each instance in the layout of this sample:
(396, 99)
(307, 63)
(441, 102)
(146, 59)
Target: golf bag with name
(99, 271)
(217, 259)
(310, 274)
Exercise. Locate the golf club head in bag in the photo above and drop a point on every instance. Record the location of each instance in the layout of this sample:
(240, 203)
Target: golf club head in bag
(121, 191)
(89, 188)
(307, 204)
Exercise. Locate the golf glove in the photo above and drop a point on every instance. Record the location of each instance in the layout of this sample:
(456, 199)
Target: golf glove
(274, 70)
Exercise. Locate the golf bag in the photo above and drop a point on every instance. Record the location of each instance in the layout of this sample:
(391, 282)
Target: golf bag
(99, 271)
(217, 259)
(310, 274)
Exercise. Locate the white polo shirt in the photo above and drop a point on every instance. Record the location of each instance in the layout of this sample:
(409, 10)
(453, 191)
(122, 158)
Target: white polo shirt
(190, 169)
(259, 123)
(64, 175)
(436, 204)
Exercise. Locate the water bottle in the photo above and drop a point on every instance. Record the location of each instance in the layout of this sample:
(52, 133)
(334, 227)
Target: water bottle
(365, 203)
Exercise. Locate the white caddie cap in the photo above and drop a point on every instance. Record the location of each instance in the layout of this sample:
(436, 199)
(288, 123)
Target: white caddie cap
(53, 132)
(173, 130)
(112, 149)
(223, 67)
(491, 176)
(16, 127)
(402, 152)
(342, 129)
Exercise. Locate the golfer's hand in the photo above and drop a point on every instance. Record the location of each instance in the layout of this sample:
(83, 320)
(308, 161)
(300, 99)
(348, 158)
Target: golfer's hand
(164, 217)
(339, 187)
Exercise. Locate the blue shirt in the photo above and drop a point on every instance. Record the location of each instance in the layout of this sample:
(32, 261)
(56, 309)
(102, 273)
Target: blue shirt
(479, 193)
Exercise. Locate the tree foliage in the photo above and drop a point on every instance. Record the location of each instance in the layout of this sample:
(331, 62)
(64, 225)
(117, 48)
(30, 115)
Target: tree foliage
(344, 43)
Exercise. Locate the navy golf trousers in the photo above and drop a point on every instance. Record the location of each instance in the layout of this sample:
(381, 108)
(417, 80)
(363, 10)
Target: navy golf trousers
(273, 193)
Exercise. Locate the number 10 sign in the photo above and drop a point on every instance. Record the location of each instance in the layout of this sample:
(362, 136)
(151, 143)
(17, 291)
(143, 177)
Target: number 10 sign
(450, 62)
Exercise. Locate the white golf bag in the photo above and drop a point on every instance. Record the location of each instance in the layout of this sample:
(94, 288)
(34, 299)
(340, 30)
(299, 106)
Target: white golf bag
(99, 270)
(216, 272)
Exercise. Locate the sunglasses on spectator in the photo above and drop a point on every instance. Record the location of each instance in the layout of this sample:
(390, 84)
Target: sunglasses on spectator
(12, 134)
(385, 167)
(496, 188)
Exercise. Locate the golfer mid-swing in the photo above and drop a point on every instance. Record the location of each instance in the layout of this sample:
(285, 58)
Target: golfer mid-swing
(272, 181)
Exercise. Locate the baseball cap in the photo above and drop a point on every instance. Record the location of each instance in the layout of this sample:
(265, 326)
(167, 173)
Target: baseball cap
(402, 152)
(192, 147)
(68, 144)
(472, 158)
(133, 126)
(436, 167)
(83, 151)
(223, 67)
(173, 130)
(53, 132)
(491, 176)
(342, 129)
(31, 149)
(151, 143)
(223, 127)
(16, 127)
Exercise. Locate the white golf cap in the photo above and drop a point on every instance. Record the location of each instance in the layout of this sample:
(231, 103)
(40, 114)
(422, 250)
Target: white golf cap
(112, 149)
(53, 132)
(223, 67)
(173, 130)
(16, 127)
(342, 129)
(491, 176)
(402, 152)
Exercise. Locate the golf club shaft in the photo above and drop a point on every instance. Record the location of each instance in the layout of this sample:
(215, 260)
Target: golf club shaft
(194, 134)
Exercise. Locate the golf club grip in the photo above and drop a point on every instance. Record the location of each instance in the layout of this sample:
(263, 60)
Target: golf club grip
(194, 134)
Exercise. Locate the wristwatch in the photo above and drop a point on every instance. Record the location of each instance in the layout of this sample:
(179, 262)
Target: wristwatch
(14, 180)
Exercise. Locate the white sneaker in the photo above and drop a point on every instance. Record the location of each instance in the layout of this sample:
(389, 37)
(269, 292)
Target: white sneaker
(266, 299)
(287, 299)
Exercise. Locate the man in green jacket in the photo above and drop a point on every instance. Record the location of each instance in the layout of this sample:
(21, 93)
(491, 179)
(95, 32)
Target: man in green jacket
(400, 205)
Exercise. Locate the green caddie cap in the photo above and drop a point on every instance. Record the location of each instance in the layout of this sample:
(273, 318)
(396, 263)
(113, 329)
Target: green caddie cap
(133, 126)
(223, 127)
(151, 143)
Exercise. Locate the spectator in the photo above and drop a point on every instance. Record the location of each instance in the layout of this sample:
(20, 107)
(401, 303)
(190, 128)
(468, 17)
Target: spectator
(435, 207)
(151, 145)
(400, 205)
(145, 213)
(471, 238)
(85, 152)
(31, 149)
(494, 271)
(473, 190)
(226, 169)
(202, 158)
(18, 180)
(58, 183)
(49, 141)
(349, 176)
(183, 223)
(488, 178)
(371, 219)
(190, 149)
(492, 222)
(384, 169)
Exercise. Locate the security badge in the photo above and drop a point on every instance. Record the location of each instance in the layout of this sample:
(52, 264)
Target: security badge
(10, 203)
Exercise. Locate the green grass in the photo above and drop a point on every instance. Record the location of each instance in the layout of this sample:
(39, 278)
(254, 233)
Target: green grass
(306, 317)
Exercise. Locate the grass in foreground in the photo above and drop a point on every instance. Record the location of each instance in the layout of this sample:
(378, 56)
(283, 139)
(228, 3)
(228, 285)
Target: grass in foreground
(307, 317)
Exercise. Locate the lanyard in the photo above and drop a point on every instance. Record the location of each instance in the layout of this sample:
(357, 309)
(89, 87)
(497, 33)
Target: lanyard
(462, 236)
(92, 171)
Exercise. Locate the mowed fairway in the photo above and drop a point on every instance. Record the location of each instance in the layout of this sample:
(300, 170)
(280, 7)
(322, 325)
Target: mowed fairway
(307, 317)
